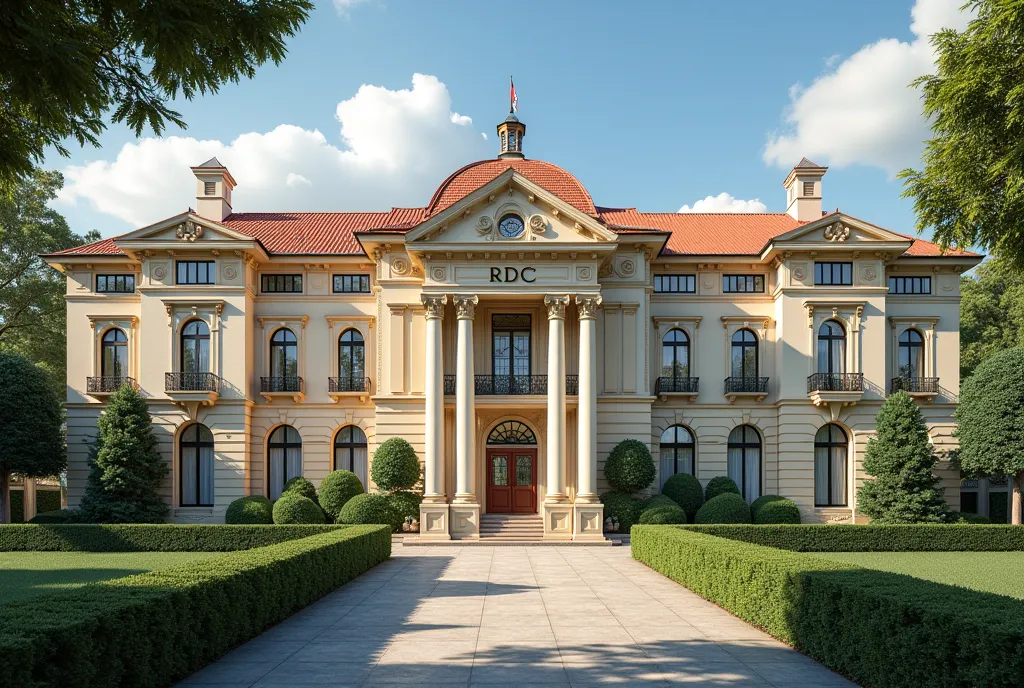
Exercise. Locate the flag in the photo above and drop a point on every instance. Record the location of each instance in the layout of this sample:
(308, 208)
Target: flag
(512, 98)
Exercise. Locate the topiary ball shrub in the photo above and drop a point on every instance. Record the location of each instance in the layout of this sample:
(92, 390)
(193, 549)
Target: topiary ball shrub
(656, 501)
(371, 508)
(622, 507)
(720, 485)
(251, 509)
(630, 466)
(725, 508)
(300, 486)
(406, 504)
(661, 515)
(336, 489)
(756, 505)
(395, 466)
(685, 491)
(293, 508)
(778, 511)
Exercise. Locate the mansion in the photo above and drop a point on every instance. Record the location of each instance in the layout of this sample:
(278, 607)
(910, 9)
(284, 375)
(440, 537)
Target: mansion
(513, 332)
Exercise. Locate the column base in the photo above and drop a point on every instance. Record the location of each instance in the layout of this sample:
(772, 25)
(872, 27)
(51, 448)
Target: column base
(465, 521)
(557, 521)
(434, 521)
(588, 521)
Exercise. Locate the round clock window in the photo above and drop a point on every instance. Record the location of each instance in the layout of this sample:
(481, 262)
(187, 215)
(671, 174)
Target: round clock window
(511, 226)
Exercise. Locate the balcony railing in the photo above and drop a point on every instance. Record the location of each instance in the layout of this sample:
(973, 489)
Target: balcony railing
(108, 384)
(289, 384)
(676, 385)
(746, 385)
(337, 385)
(514, 385)
(449, 384)
(835, 382)
(914, 385)
(191, 382)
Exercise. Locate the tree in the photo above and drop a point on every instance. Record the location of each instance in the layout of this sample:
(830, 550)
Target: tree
(901, 461)
(125, 469)
(64, 64)
(31, 440)
(991, 421)
(32, 310)
(971, 190)
(991, 312)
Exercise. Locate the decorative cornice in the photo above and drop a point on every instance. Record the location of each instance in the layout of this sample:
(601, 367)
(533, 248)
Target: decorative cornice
(282, 320)
(587, 306)
(556, 306)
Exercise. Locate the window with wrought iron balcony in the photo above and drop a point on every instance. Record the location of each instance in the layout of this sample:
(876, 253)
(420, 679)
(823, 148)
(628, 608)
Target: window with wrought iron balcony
(911, 369)
(193, 381)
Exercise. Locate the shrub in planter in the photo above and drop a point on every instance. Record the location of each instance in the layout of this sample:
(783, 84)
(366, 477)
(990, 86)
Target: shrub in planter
(336, 489)
(662, 515)
(725, 508)
(371, 508)
(300, 486)
(251, 509)
(720, 485)
(294, 508)
(778, 511)
(756, 505)
(685, 491)
(406, 504)
(395, 466)
(630, 467)
(624, 508)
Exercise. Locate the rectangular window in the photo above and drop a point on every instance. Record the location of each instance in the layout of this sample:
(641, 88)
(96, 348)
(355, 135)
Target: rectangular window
(351, 283)
(910, 285)
(281, 284)
(115, 284)
(833, 274)
(196, 271)
(808, 188)
(675, 284)
(732, 284)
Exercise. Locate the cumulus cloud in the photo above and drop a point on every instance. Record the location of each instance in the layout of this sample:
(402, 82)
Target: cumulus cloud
(725, 203)
(395, 148)
(343, 6)
(862, 110)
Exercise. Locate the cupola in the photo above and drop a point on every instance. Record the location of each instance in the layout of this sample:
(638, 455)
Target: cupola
(803, 190)
(214, 184)
(510, 137)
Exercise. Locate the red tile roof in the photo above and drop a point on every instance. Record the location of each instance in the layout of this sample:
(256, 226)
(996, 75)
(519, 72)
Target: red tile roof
(103, 247)
(318, 233)
(471, 177)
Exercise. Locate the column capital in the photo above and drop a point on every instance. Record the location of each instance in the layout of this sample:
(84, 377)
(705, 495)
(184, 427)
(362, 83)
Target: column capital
(465, 306)
(556, 306)
(434, 305)
(587, 306)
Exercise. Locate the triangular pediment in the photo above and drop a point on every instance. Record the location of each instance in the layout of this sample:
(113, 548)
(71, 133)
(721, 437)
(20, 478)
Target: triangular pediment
(837, 230)
(183, 231)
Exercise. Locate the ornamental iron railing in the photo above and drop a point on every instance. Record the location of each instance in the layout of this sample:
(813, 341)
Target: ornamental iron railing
(348, 384)
(835, 382)
(286, 384)
(108, 384)
(746, 385)
(914, 385)
(676, 385)
(513, 385)
(191, 382)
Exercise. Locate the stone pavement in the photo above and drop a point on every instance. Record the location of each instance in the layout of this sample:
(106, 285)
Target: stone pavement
(513, 616)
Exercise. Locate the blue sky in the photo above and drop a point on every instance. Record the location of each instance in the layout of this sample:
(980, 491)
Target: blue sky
(651, 104)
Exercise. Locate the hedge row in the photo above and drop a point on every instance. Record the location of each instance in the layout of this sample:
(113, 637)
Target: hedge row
(158, 627)
(878, 629)
(148, 538)
(925, 537)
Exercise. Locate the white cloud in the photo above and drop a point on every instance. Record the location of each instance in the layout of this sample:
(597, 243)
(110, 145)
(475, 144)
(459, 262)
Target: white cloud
(725, 203)
(343, 6)
(396, 147)
(863, 110)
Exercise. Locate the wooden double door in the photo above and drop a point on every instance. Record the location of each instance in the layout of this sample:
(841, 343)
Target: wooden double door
(511, 481)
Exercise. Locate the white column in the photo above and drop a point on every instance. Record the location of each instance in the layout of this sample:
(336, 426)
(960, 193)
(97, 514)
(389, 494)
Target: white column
(556, 398)
(433, 468)
(586, 459)
(465, 402)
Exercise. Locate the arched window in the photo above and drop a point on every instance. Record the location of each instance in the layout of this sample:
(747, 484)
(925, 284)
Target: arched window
(745, 460)
(830, 451)
(350, 452)
(284, 354)
(744, 354)
(114, 361)
(911, 354)
(196, 456)
(675, 355)
(351, 361)
(831, 347)
(284, 454)
(195, 347)
(677, 452)
(511, 432)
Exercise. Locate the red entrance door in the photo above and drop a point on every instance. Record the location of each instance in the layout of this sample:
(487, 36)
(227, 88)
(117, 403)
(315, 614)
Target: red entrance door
(512, 481)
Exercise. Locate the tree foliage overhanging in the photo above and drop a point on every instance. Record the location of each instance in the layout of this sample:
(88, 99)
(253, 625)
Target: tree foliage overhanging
(991, 312)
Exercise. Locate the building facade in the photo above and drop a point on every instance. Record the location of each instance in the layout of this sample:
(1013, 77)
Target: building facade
(514, 332)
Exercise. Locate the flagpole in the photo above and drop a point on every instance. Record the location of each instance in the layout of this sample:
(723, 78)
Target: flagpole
(511, 85)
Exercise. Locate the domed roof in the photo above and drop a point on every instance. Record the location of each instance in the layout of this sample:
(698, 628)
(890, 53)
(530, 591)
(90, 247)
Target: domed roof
(475, 175)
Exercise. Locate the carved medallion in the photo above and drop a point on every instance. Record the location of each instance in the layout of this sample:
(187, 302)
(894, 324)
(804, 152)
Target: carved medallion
(400, 267)
(538, 224)
(159, 272)
(584, 274)
(626, 268)
(438, 274)
(484, 224)
(869, 273)
(230, 272)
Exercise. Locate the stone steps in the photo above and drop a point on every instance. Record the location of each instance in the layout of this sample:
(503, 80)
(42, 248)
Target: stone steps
(512, 527)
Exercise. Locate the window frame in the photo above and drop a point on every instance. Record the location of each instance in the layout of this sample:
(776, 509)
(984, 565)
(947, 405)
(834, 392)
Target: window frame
(845, 273)
(285, 445)
(512, 331)
(210, 267)
(286, 346)
(353, 345)
(116, 345)
(106, 277)
(675, 346)
(198, 337)
(744, 446)
(909, 346)
(686, 283)
(351, 446)
(830, 444)
(743, 345)
(268, 279)
(359, 277)
(731, 283)
(198, 444)
(831, 340)
(897, 280)
(676, 446)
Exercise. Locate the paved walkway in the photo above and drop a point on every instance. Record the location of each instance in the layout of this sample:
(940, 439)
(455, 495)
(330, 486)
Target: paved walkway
(514, 616)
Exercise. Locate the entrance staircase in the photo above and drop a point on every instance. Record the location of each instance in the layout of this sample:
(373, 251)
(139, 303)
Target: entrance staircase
(511, 527)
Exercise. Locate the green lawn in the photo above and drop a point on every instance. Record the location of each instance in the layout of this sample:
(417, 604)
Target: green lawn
(1001, 573)
(24, 574)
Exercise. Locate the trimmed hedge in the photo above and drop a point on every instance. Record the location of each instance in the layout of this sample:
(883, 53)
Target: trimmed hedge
(629, 467)
(685, 490)
(158, 627)
(778, 511)
(725, 508)
(336, 489)
(300, 486)
(250, 509)
(622, 507)
(876, 628)
(371, 508)
(661, 515)
(921, 537)
(719, 485)
(293, 508)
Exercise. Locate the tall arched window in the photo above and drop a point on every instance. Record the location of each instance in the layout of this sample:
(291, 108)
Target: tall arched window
(195, 347)
(911, 354)
(350, 452)
(351, 361)
(744, 354)
(284, 456)
(831, 347)
(114, 360)
(830, 451)
(675, 355)
(284, 354)
(745, 460)
(196, 460)
(677, 452)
